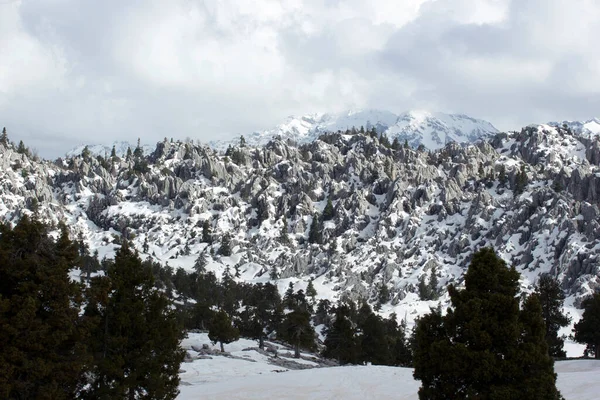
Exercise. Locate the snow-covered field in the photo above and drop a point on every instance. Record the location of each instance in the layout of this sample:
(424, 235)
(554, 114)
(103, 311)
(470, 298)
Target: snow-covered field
(253, 377)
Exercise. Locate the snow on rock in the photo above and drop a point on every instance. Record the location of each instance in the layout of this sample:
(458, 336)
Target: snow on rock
(433, 130)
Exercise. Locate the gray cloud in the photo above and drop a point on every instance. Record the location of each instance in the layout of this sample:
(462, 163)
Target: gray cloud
(73, 72)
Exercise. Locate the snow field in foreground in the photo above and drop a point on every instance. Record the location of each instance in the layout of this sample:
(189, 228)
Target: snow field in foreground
(229, 378)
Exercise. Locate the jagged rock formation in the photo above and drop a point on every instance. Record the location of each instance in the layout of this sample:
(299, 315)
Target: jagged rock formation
(397, 214)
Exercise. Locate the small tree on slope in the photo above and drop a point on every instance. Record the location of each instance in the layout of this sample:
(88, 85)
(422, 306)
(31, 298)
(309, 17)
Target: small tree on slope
(222, 330)
(485, 347)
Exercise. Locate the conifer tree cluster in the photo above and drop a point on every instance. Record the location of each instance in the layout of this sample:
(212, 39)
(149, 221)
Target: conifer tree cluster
(125, 344)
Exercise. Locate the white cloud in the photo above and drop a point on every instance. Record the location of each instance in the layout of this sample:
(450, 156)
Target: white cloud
(100, 71)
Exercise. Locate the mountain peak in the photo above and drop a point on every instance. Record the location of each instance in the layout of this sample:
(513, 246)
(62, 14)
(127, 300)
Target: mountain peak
(431, 129)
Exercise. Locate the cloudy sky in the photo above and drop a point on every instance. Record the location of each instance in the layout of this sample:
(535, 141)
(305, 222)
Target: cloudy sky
(74, 71)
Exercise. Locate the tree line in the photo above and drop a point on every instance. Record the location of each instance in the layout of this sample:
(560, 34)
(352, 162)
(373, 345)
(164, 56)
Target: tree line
(117, 333)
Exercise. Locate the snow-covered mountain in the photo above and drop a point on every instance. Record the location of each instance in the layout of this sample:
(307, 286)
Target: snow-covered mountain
(105, 150)
(398, 214)
(431, 129)
(586, 128)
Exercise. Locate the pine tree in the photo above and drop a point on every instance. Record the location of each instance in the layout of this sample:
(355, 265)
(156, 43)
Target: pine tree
(200, 264)
(341, 342)
(41, 332)
(314, 232)
(328, 211)
(225, 249)
(485, 347)
(311, 291)
(521, 181)
(206, 232)
(264, 311)
(85, 153)
(242, 141)
(222, 330)
(297, 331)
(4, 137)
(587, 330)
(283, 236)
(113, 152)
(396, 144)
(137, 336)
(138, 152)
(21, 149)
(552, 298)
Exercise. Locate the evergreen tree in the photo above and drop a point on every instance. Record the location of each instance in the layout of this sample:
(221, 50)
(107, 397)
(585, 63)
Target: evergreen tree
(311, 291)
(587, 330)
(485, 347)
(41, 332)
(384, 140)
(396, 143)
(283, 236)
(136, 340)
(225, 249)
(521, 181)
(4, 137)
(200, 264)
(328, 211)
(138, 152)
(21, 149)
(314, 232)
(297, 331)
(552, 298)
(85, 153)
(113, 152)
(242, 141)
(264, 311)
(206, 232)
(341, 342)
(222, 330)
(502, 175)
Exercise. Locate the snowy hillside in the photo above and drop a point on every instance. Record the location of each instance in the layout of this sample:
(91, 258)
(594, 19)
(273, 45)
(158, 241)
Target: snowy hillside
(245, 373)
(433, 130)
(396, 216)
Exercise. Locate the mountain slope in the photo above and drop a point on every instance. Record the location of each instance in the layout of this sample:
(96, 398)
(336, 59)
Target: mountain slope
(399, 215)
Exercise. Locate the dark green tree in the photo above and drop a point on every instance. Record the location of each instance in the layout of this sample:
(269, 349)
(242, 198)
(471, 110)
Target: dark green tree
(311, 291)
(587, 330)
(328, 211)
(263, 312)
(283, 236)
(85, 153)
(341, 341)
(521, 181)
(21, 149)
(41, 333)
(225, 248)
(206, 232)
(4, 137)
(297, 331)
(484, 347)
(552, 299)
(138, 152)
(315, 230)
(396, 144)
(136, 342)
(113, 152)
(222, 330)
